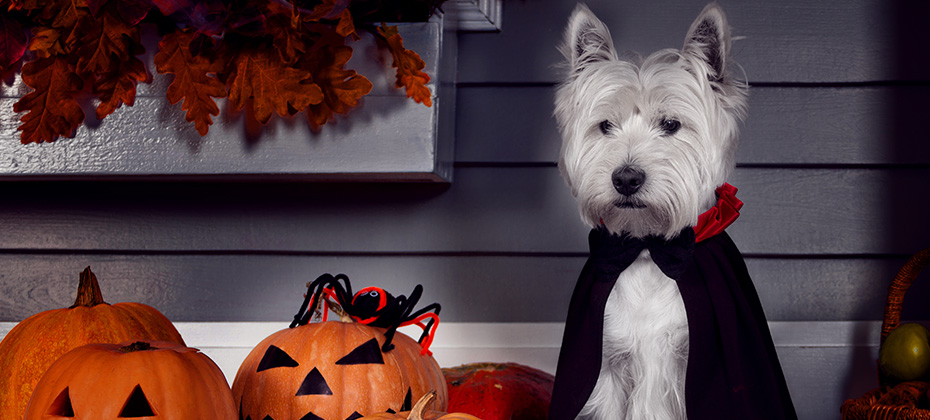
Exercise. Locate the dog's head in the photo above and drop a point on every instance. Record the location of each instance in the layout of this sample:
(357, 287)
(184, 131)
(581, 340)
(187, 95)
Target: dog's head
(646, 142)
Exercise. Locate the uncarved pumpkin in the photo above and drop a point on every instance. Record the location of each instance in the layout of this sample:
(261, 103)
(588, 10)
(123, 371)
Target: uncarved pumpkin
(33, 344)
(333, 371)
(500, 391)
(419, 412)
(158, 380)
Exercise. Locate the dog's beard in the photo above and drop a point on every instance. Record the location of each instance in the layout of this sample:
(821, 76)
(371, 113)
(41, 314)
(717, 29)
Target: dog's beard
(639, 215)
(638, 222)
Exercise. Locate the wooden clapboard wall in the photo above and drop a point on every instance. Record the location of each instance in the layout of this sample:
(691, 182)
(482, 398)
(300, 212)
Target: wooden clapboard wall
(834, 169)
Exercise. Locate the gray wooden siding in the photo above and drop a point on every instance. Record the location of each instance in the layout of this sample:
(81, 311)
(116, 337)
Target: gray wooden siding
(834, 168)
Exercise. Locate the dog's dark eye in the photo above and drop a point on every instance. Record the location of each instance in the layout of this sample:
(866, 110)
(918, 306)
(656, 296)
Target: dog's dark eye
(605, 127)
(669, 126)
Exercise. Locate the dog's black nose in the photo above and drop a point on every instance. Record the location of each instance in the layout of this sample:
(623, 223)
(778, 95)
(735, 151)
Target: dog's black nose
(628, 179)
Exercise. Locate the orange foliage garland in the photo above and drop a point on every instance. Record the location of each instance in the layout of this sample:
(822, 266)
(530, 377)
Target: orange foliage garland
(269, 57)
(33, 344)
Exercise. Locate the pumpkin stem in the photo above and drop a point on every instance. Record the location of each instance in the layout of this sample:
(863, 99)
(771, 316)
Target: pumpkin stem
(88, 293)
(419, 409)
(137, 346)
(337, 308)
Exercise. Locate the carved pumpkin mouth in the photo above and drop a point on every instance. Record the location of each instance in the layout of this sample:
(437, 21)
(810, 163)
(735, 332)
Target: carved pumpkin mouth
(354, 416)
(309, 416)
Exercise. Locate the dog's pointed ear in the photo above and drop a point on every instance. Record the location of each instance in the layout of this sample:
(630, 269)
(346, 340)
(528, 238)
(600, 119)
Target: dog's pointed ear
(708, 41)
(587, 40)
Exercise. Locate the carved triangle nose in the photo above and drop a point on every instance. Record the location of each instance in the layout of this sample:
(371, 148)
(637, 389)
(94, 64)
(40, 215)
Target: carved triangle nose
(314, 384)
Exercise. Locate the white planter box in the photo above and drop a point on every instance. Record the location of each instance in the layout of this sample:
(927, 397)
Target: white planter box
(387, 138)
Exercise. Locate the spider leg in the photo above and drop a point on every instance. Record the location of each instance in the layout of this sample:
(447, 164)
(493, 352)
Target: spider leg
(338, 294)
(311, 296)
(402, 303)
(413, 299)
(412, 318)
(319, 302)
(426, 309)
(344, 295)
(315, 291)
(429, 329)
(409, 303)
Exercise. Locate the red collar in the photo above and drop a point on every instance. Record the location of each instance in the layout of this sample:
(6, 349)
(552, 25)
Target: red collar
(719, 216)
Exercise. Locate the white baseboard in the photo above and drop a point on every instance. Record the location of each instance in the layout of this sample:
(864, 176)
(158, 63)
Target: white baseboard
(532, 344)
(824, 362)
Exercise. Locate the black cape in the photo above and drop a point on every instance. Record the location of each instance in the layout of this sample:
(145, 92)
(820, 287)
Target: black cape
(733, 370)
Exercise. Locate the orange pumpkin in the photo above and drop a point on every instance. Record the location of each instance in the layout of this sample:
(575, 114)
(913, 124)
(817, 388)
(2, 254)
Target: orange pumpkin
(150, 379)
(419, 412)
(333, 371)
(33, 344)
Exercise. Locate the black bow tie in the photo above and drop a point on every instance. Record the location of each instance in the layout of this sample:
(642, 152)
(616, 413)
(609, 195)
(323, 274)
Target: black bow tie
(614, 253)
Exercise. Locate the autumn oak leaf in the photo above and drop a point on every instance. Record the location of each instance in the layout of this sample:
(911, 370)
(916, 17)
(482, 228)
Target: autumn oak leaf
(46, 42)
(288, 38)
(51, 109)
(118, 87)
(194, 79)
(107, 40)
(342, 88)
(66, 16)
(409, 67)
(272, 85)
(346, 26)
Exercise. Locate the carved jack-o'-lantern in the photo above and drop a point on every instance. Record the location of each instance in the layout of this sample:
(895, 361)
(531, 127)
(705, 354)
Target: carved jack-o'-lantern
(143, 379)
(333, 371)
(35, 343)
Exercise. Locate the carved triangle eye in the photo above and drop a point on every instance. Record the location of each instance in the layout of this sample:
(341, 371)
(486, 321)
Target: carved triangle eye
(314, 384)
(61, 407)
(137, 405)
(354, 416)
(275, 357)
(367, 353)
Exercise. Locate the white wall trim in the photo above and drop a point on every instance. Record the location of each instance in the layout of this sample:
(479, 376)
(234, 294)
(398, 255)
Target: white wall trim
(535, 344)
(824, 362)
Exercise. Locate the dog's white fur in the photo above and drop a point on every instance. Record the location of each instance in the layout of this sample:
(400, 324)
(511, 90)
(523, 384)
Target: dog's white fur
(617, 113)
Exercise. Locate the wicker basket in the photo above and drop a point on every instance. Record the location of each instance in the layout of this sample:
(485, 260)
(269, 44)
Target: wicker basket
(886, 402)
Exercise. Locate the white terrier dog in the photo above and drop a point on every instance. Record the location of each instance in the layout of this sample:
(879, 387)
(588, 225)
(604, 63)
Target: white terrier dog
(646, 144)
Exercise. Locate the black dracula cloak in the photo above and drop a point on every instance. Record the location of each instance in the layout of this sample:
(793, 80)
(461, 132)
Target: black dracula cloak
(733, 371)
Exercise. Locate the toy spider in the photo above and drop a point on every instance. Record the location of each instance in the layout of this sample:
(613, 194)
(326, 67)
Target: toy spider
(371, 306)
